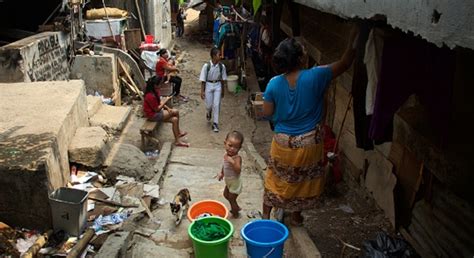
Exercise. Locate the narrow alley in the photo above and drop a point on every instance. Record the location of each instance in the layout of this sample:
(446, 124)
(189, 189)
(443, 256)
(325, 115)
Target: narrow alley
(353, 117)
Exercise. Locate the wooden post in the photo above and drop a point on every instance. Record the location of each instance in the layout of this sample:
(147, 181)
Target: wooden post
(140, 19)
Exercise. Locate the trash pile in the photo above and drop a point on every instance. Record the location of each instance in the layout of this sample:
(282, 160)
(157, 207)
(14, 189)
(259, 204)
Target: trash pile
(108, 207)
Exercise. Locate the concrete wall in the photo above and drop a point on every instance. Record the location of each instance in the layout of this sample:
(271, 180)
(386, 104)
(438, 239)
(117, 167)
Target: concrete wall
(35, 133)
(434, 20)
(41, 57)
(158, 16)
(98, 72)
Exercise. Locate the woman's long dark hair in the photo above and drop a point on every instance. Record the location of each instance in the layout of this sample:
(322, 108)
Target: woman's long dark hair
(150, 85)
(287, 56)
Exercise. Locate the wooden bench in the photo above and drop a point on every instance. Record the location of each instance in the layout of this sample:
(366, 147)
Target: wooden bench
(147, 132)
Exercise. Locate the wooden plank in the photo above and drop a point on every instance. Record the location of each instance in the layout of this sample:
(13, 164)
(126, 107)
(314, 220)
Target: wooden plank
(133, 38)
(113, 203)
(149, 126)
(128, 85)
(148, 211)
(140, 18)
(137, 90)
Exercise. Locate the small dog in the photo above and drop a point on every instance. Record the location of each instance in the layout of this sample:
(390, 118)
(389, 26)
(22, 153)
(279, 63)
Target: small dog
(180, 203)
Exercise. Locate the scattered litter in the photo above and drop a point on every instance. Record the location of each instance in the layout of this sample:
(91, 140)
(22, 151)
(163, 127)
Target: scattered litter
(345, 208)
(24, 244)
(162, 202)
(97, 194)
(254, 214)
(152, 154)
(204, 215)
(90, 205)
(151, 190)
(112, 219)
(83, 187)
(105, 100)
(109, 191)
(145, 231)
(82, 177)
(125, 179)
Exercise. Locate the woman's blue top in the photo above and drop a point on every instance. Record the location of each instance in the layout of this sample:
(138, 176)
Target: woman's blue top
(298, 109)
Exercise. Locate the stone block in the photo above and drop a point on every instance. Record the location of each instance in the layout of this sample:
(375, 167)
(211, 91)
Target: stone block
(115, 246)
(41, 57)
(112, 119)
(98, 72)
(128, 160)
(89, 146)
(35, 134)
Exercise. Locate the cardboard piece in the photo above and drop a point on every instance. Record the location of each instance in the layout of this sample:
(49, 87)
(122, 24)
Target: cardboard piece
(381, 181)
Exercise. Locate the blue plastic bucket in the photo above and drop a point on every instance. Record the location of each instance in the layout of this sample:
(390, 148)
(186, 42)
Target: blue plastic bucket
(264, 238)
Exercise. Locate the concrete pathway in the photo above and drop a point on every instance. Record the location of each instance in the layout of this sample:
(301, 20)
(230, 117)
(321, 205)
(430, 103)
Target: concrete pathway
(194, 168)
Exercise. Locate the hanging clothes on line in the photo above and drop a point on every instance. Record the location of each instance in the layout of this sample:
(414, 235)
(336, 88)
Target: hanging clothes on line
(229, 39)
(359, 86)
(413, 66)
(372, 60)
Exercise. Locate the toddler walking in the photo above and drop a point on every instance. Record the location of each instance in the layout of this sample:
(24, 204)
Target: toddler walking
(231, 170)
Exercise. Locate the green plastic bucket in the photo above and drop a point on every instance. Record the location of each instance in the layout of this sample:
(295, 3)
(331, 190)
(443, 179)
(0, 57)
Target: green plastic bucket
(211, 249)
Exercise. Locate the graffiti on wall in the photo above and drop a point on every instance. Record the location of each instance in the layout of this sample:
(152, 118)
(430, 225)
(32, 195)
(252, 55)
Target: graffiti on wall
(49, 60)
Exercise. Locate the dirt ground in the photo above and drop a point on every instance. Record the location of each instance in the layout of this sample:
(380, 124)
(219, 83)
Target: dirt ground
(349, 217)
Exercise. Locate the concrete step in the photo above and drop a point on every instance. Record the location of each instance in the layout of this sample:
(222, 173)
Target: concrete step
(111, 118)
(197, 157)
(35, 136)
(94, 103)
(89, 146)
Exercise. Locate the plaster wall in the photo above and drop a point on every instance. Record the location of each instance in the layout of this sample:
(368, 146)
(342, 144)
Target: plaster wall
(438, 21)
(34, 137)
(158, 15)
(98, 72)
(41, 57)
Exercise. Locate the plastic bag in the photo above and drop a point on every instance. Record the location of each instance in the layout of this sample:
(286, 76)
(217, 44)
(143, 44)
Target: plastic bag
(112, 219)
(385, 246)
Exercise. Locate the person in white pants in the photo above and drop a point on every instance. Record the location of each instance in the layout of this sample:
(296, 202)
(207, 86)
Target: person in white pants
(213, 82)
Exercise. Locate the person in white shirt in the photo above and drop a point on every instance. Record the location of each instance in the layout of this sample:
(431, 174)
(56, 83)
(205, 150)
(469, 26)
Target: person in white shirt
(213, 80)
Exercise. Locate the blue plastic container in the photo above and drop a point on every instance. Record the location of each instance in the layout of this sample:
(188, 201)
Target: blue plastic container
(264, 238)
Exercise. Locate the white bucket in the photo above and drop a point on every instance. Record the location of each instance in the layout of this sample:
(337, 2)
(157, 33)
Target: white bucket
(232, 83)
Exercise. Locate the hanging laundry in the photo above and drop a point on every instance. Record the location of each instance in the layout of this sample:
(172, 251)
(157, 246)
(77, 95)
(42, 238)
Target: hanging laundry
(413, 66)
(359, 86)
(372, 58)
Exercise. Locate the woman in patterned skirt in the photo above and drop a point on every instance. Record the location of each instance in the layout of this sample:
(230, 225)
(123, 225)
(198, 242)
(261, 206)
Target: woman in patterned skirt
(294, 99)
